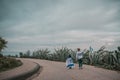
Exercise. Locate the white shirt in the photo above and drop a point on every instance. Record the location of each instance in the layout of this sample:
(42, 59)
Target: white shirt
(69, 61)
(79, 55)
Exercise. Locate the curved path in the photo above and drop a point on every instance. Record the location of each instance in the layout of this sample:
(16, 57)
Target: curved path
(22, 72)
(57, 71)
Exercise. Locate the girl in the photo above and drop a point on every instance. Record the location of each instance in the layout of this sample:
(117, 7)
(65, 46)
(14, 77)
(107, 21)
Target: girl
(69, 62)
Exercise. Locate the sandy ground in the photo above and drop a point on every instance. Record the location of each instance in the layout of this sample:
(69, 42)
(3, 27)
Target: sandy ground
(52, 70)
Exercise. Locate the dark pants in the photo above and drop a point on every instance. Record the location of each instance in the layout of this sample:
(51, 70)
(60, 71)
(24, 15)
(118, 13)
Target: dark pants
(80, 62)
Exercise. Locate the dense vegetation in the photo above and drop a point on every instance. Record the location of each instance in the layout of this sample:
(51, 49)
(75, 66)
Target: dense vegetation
(6, 62)
(3, 43)
(100, 58)
(103, 58)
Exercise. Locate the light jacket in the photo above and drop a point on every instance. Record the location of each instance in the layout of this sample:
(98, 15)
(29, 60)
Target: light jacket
(79, 55)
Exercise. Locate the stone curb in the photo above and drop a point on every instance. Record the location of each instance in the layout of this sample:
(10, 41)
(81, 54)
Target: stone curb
(25, 75)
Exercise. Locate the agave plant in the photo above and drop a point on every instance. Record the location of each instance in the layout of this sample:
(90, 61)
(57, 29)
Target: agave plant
(104, 58)
(41, 53)
(62, 53)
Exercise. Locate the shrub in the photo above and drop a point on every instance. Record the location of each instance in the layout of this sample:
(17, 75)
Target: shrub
(8, 63)
(1, 55)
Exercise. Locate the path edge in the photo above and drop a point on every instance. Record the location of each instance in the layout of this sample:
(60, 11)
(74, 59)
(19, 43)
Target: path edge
(25, 75)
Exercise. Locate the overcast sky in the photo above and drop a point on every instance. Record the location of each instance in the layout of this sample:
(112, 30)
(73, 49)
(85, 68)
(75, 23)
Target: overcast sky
(35, 24)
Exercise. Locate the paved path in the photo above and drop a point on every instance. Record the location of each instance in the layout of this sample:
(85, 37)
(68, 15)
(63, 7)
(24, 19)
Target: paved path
(21, 72)
(56, 71)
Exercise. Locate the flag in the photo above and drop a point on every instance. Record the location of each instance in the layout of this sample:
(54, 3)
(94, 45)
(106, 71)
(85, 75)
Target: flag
(91, 49)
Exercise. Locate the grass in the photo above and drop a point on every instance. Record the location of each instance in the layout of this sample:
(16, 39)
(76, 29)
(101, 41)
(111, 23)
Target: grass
(8, 63)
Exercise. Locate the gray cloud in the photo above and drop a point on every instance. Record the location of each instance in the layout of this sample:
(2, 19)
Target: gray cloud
(28, 24)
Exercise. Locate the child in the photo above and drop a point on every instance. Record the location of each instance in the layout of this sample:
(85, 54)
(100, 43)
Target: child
(79, 57)
(69, 62)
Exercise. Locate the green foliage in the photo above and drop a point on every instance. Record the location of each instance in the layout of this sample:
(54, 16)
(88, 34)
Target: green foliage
(1, 55)
(41, 54)
(103, 58)
(62, 54)
(118, 48)
(3, 43)
(25, 55)
(21, 54)
(57, 55)
(8, 63)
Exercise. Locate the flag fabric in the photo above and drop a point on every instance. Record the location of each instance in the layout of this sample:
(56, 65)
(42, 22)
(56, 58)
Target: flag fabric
(91, 49)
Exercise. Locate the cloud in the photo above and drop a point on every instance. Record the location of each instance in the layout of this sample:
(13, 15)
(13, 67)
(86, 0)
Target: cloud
(30, 24)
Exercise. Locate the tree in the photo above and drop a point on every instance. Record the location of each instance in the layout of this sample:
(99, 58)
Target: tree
(28, 53)
(3, 43)
(21, 54)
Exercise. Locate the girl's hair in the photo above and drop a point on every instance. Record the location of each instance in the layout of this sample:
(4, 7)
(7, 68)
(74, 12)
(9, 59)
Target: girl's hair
(78, 49)
(69, 56)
